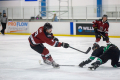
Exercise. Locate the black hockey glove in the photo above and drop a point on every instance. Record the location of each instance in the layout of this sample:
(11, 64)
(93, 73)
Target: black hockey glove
(95, 29)
(65, 45)
(56, 39)
(106, 38)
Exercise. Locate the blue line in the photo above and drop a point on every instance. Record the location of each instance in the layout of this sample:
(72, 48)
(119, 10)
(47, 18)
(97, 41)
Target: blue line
(71, 28)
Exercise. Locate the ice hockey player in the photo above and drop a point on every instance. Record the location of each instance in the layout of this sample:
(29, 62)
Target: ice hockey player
(101, 28)
(44, 35)
(97, 51)
(110, 52)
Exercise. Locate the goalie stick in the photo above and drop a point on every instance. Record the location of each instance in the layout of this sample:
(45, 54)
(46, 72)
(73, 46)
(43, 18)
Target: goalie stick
(82, 51)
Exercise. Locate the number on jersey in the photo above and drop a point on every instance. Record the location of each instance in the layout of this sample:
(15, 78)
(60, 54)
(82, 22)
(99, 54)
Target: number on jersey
(36, 33)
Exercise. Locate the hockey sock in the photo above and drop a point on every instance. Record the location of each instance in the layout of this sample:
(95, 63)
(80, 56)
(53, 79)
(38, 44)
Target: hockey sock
(99, 61)
(46, 55)
(97, 40)
(92, 58)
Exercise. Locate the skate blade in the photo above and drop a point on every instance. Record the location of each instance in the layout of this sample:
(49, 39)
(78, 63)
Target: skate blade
(56, 67)
(91, 69)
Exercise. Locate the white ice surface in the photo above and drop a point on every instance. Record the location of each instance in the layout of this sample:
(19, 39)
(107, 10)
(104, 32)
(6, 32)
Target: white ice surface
(19, 62)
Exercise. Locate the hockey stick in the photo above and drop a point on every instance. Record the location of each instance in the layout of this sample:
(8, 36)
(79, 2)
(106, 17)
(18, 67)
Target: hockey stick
(59, 65)
(82, 51)
(68, 65)
(104, 37)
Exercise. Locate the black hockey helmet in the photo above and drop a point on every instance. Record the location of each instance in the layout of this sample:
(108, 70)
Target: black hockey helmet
(47, 26)
(104, 16)
(95, 46)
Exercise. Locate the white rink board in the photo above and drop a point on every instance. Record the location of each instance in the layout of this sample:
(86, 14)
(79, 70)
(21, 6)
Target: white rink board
(64, 27)
(114, 29)
(58, 27)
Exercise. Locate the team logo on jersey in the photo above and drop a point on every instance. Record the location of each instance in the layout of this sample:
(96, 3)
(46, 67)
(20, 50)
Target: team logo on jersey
(101, 28)
(99, 22)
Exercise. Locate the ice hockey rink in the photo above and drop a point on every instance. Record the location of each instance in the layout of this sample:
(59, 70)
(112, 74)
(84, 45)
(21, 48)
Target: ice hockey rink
(19, 62)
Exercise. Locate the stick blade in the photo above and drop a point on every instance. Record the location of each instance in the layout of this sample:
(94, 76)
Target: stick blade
(88, 50)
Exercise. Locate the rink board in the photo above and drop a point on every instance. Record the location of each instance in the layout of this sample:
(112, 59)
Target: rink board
(64, 29)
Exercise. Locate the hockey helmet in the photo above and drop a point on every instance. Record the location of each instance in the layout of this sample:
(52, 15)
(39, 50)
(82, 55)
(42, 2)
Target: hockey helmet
(47, 26)
(104, 16)
(95, 46)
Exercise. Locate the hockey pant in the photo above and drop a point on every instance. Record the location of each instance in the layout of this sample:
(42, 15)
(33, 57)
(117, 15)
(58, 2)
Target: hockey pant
(112, 54)
(43, 51)
(98, 37)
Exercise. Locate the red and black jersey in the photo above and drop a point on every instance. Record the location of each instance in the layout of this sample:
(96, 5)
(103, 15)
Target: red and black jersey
(40, 36)
(101, 26)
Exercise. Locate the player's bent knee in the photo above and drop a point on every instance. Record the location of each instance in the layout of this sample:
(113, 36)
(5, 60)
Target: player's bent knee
(45, 51)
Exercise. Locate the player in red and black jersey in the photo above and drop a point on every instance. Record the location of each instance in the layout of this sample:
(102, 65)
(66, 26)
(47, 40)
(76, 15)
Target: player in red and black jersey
(44, 35)
(101, 29)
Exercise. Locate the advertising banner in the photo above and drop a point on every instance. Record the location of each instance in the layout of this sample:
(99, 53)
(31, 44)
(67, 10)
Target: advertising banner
(18, 27)
(84, 29)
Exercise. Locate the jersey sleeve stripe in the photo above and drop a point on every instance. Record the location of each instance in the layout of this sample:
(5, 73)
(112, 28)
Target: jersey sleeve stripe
(55, 44)
(32, 39)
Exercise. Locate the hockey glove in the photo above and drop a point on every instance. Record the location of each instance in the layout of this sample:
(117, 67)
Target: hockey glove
(65, 45)
(95, 29)
(106, 34)
(56, 39)
(106, 37)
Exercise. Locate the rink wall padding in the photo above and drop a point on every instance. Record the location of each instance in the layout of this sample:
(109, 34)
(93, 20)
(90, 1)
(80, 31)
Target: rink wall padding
(59, 28)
